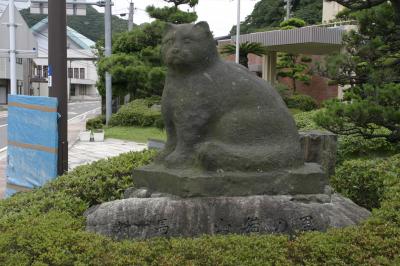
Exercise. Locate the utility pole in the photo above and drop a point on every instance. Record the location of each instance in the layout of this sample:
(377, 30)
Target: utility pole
(58, 75)
(13, 57)
(131, 11)
(288, 8)
(107, 26)
(238, 33)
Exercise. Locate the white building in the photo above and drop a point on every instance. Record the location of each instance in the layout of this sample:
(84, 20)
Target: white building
(25, 42)
(82, 73)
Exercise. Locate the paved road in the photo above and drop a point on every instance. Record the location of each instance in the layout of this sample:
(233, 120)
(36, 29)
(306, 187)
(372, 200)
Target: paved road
(74, 110)
(78, 108)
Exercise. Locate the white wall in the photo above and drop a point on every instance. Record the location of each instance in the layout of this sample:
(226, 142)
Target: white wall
(5, 69)
(330, 10)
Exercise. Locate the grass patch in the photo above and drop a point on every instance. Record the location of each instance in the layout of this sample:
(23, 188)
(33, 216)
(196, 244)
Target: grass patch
(138, 134)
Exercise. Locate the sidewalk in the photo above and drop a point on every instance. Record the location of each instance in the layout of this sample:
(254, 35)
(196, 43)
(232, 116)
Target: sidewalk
(87, 152)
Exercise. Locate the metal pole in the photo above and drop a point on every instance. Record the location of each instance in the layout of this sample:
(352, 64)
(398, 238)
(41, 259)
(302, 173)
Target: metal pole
(13, 57)
(238, 32)
(58, 75)
(131, 11)
(107, 26)
(288, 8)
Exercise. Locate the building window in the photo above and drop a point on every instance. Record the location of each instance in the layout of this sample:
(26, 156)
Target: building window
(76, 73)
(72, 92)
(70, 73)
(19, 61)
(82, 73)
(45, 71)
(39, 71)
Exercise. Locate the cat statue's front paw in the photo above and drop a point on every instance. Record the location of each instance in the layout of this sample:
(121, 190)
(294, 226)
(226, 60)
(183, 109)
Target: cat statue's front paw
(178, 160)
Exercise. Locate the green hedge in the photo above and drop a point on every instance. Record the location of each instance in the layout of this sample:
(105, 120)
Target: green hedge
(45, 227)
(305, 121)
(362, 180)
(96, 123)
(350, 147)
(136, 113)
(302, 102)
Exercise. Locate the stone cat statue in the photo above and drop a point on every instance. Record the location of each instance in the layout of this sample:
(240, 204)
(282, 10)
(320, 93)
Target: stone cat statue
(219, 116)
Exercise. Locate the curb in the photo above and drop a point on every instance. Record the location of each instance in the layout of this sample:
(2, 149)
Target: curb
(3, 153)
(74, 141)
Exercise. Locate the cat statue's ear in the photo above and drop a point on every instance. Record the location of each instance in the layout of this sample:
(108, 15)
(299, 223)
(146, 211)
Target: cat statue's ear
(203, 25)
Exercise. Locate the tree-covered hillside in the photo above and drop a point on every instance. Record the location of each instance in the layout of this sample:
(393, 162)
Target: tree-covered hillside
(91, 25)
(268, 14)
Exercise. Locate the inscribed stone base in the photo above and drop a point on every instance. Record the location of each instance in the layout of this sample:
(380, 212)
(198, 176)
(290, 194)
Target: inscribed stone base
(308, 179)
(140, 218)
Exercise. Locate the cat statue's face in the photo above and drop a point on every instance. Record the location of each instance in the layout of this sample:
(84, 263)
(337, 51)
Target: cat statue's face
(188, 46)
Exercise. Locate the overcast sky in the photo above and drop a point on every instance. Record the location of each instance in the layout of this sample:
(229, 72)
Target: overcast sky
(220, 14)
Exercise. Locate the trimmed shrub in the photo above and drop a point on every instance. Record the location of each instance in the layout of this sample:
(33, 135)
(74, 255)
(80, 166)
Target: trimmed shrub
(305, 121)
(360, 180)
(96, 123)
(303, 102)
(46, 227)
(136, 113)
(350, 147)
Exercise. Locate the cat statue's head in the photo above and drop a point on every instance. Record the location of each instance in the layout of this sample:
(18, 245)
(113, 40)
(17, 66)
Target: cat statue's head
(188, 46)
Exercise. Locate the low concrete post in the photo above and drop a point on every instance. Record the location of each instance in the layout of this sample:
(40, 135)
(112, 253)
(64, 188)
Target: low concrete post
(320, 147)
(269, 67)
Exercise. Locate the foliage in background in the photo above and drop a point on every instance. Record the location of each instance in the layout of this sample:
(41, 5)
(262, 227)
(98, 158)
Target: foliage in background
(371, 69)
(177, 3)
(136, 113)
(373, 112)
(301, 102)
(305, 121)
(268, 14)
(293, 66)
(171, 14)
(90, 26)
(355, 5)
(292, 23)
(351, 147)
(136, 66)
(96, 122)
(245, 49)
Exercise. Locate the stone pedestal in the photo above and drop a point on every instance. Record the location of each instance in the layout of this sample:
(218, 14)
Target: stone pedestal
(308, 179)
(191, 203)
(140, 218)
